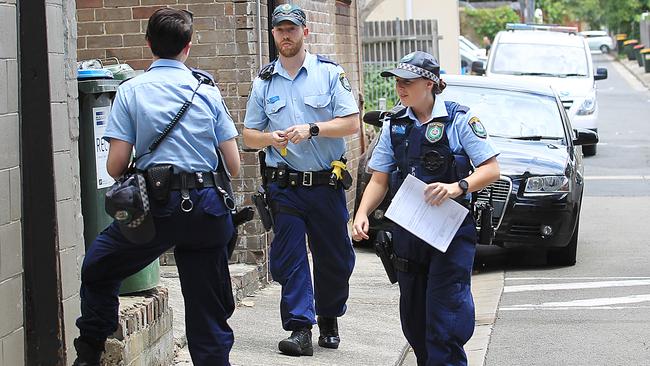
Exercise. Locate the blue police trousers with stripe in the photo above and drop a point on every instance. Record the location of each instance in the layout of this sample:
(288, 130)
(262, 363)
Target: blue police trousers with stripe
(436, 307)
(320, 212)
(201, 237)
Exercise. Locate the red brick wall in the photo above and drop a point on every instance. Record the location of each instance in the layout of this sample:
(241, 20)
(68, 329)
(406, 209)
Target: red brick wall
(225, 43)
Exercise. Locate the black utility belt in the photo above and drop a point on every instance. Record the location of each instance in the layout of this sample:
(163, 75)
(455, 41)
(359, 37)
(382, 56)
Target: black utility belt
(293, 178)
(196, 180)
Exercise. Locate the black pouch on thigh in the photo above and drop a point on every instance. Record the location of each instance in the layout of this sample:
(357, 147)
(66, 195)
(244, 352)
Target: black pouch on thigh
(159, 179)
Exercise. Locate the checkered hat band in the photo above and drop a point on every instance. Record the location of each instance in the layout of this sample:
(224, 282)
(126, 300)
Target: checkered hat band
(142, 184)
(420, 71)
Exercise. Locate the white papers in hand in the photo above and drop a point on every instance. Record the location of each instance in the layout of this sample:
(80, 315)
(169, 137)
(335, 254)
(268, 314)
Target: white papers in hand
(436, 225)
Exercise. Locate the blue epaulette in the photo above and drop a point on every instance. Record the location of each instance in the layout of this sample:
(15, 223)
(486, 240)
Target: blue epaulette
(267, 71)
(322, 58)
(203, 76)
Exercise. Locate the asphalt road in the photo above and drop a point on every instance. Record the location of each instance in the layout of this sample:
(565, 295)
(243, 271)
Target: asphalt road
(598, 311)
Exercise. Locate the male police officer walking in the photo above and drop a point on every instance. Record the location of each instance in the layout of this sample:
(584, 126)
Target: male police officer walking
(193, 215)
(300, 108)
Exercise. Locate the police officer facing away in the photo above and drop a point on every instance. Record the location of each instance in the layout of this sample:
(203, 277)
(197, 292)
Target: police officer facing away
(300, 108)
(434, 140)
(193, 215)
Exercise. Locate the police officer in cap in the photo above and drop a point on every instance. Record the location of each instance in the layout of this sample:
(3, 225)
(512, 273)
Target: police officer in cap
(435, 140)
(192, 215)
(300, 108)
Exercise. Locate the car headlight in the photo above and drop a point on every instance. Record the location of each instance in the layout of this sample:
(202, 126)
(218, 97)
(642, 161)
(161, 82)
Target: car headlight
(547, 184)
(588, 105)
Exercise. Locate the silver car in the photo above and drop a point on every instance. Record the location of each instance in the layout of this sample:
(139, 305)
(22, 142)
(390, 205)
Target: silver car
(598, 40)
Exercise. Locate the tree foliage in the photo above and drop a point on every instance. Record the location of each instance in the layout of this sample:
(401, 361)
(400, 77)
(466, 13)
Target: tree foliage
(487, 22)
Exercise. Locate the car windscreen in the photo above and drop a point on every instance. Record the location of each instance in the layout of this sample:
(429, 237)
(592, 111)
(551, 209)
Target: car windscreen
(511, 114)
(539, 60)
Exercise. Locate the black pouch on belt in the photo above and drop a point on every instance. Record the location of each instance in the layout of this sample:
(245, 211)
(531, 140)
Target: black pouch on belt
(283, 175)
(159, 179)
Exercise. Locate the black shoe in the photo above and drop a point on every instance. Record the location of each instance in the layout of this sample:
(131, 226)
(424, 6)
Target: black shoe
(298, 344)
(329, 332)
(88, 352)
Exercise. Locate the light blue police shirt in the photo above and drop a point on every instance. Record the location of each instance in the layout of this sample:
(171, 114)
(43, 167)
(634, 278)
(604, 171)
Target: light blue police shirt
(459, 132)
(319, 92)
(146, 104)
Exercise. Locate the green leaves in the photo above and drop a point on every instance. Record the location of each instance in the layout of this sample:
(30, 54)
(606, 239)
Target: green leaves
(487, 22)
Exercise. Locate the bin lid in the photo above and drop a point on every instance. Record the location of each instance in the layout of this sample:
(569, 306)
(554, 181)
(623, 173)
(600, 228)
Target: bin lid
(97, 86)
(645, 50)
(94, 74)
(630, 41)
(639, 46)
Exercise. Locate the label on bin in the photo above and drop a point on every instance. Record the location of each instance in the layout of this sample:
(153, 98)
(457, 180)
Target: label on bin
(100, 118)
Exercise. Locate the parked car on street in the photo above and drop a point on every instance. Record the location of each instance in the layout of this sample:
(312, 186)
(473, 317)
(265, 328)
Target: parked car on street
(553, 55)
(598, 40)
(538, 198)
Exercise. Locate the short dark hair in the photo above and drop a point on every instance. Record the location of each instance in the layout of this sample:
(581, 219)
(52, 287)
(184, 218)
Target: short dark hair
(169, 31)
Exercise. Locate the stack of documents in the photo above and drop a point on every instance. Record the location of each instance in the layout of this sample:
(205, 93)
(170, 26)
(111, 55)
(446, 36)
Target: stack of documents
(436, 225)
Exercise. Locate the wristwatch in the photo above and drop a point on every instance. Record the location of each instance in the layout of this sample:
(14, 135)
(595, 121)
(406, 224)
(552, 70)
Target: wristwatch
(464, 186)
(313, 130)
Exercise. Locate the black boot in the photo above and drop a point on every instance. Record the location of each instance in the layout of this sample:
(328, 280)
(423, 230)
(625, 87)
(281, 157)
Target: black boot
(88, 351)
(298, 344)
(329, 332)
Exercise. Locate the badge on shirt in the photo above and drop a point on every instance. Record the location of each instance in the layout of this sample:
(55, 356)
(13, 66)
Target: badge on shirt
(345, 83)
(435, 131)
(477, 127)
(398, 129)
(273, 99)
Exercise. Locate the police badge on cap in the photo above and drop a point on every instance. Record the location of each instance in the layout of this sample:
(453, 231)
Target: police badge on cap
(288, 12)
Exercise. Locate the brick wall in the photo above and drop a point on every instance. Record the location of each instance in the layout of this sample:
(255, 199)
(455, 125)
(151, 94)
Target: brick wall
(12, 333)
(226, 44)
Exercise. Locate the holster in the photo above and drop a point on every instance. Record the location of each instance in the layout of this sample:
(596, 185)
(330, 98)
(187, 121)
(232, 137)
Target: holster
(159, 179)
(484, 213)
(384, 250)
(260, 201)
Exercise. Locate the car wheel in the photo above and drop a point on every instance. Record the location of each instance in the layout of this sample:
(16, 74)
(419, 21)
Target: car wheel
(565, 256)
(589, 150)
(604, 49)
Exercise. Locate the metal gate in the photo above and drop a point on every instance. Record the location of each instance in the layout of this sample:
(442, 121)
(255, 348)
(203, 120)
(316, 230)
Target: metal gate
(384, 44)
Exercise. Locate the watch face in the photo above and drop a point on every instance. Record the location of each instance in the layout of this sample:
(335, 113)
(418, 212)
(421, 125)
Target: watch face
(313, 129)
(463, 185)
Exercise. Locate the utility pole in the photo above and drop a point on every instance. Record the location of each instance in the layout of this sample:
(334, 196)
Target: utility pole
(527, 10)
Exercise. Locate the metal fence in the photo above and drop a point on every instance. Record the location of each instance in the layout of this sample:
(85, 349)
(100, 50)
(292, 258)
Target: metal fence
(384, 44)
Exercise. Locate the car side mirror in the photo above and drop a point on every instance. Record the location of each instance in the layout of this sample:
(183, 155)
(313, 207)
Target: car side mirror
(601, 73)
(375, 118)
(585, 137)
(478, 68)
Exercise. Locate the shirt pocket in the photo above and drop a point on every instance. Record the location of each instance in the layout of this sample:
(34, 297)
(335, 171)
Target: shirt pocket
(318, 101)
(274, 108)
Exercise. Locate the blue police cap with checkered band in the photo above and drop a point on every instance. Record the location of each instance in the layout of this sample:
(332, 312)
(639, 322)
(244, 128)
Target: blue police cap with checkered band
(415, 65)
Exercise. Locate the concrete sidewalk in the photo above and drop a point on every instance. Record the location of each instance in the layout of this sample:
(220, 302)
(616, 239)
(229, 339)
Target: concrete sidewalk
(370, 331)
(634, 68)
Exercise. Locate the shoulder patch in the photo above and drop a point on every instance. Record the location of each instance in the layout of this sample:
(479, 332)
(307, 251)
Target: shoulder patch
(435, 131)
(267, 71)
(345, 83)
(322, 58)
(477, 127)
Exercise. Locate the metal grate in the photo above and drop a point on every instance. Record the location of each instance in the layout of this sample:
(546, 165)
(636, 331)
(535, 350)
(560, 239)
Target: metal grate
(525, 230)
(500, 192)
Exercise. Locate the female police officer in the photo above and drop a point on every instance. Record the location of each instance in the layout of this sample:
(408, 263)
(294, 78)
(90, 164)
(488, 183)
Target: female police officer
(435, 140)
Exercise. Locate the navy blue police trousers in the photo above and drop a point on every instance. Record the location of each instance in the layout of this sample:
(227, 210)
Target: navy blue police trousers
(436, 305)
(319, 212)
(201, 237)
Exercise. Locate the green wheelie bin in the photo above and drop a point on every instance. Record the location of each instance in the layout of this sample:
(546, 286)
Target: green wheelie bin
(97, 89)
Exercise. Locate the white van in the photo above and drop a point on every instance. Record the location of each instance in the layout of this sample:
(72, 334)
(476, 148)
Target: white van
(557, 55)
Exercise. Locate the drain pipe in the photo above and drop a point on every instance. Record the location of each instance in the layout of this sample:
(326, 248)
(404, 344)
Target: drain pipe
(259, 33)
